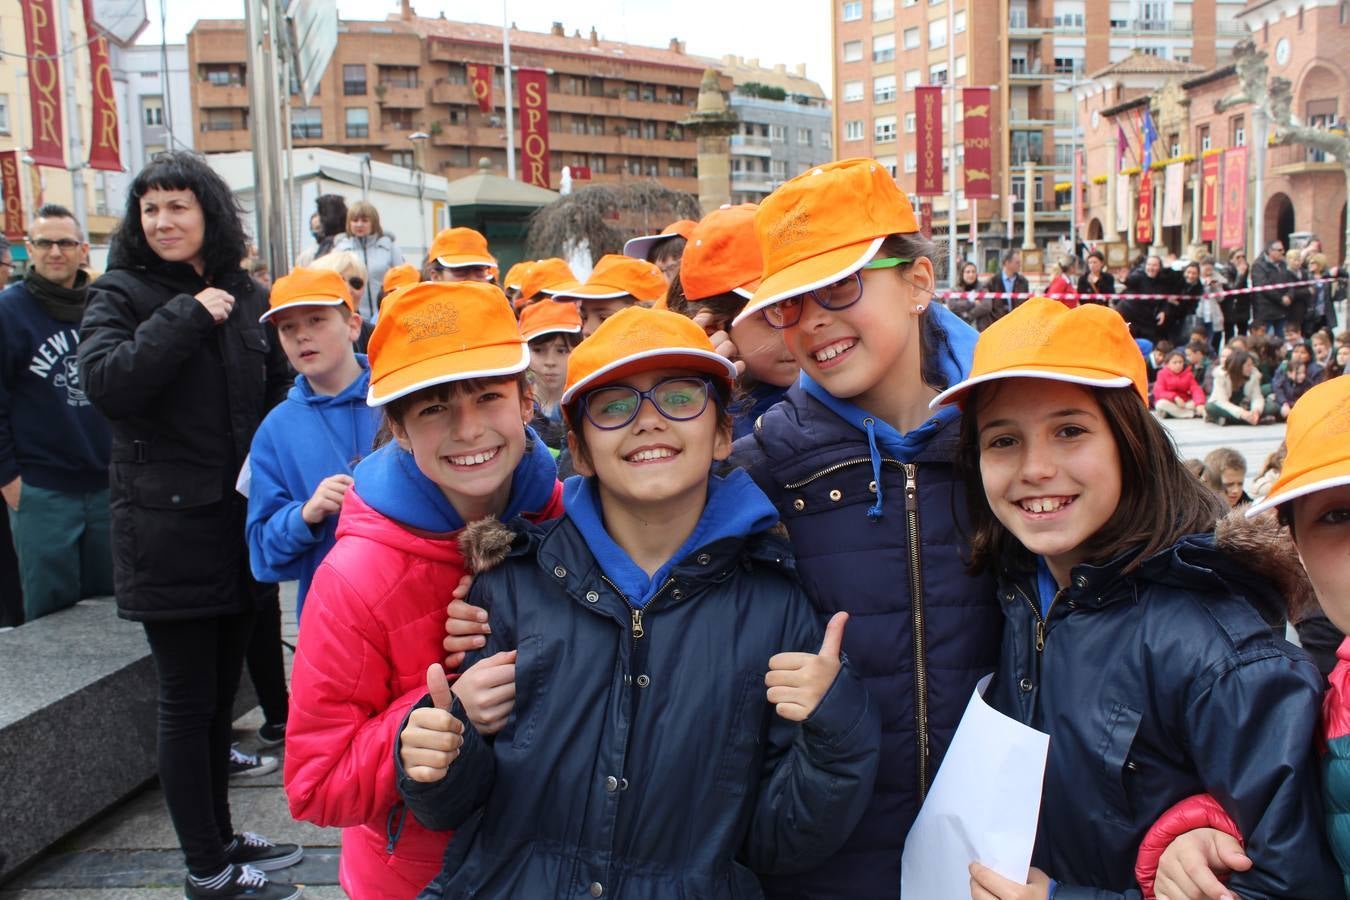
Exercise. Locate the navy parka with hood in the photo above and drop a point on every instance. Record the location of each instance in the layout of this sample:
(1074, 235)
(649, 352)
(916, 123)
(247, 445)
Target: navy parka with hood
(878, 529)
(642, 759)
(1156, 685)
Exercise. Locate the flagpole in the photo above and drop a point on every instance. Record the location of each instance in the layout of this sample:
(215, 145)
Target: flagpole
(951, 144)
(510, 114)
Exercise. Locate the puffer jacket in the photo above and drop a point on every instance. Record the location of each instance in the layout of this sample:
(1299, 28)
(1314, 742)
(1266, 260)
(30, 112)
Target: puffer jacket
(642, 759)
(378, 253)
(375, 623)
(184, 397)
(1336, 761)
(815, 468)
(1159, 684)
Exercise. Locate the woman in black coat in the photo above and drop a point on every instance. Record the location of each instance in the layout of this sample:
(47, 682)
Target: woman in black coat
(171, 351)
(1096, 280)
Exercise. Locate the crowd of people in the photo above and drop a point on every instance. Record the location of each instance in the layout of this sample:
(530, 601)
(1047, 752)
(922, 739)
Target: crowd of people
(675, 580)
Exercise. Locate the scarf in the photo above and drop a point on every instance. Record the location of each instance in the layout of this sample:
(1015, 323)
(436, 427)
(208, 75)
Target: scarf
(64, 304)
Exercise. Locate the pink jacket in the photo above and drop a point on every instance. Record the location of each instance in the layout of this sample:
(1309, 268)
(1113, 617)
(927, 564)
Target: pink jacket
(376, 621)
(1179, 388)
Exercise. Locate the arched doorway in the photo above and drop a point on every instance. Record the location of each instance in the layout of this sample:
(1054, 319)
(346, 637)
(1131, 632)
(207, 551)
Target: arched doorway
(1279, 222)
(1094, 230)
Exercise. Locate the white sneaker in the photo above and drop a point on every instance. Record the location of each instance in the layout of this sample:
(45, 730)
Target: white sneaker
(249, 765)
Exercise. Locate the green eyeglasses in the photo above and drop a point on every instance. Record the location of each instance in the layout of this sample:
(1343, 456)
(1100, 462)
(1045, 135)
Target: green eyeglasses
(840, 295)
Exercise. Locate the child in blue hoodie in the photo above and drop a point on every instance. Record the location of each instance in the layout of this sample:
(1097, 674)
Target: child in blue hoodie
(635, 750)
(304, 452)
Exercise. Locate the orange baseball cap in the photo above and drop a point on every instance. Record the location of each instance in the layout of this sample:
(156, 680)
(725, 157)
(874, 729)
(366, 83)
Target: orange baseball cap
(398, 276)
(434, 332)
(515, 276)
(1318, 437)
(825, 224)
(308, 287)
(548, 276)
(1043, 338)
(641, 247)
(539, 319)
(455, 248)
(637, 339)
(723, 256)
(617, 276)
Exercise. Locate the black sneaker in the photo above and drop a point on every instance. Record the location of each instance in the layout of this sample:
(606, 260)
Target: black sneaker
(239, 882)
(272, 735)
(249, 849)
(250, 765)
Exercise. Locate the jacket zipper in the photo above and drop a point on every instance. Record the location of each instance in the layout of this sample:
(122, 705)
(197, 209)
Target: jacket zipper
(830, 470)
(916, 605)
(1040, 619)
(637, 629)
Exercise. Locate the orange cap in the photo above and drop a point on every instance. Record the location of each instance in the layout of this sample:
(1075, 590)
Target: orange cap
(434, 332)
(539, 319)
(1318, 438)
(308, 287)
(515, 276)
(619, 276)
(824, 224)
(399, 276)
(1043, 338)
(641, 247)
(637, 339)
(455, 248)
(723, 256)
(548, 276)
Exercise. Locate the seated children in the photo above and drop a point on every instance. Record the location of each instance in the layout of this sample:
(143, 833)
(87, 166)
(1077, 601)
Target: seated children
(1294, 377)
(616, 283)
(1237, 398)
(1198, 358)
(1176, 393)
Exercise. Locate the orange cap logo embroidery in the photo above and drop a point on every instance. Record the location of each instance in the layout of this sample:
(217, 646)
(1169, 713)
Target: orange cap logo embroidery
(791, 228)
(435, 321)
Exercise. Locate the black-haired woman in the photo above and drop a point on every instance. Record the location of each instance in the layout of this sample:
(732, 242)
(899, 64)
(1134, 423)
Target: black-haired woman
(172, 353)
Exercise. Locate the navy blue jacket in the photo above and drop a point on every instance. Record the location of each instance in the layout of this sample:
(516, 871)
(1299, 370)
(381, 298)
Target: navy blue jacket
(1156, 685)
(816, 469)
(642, 759)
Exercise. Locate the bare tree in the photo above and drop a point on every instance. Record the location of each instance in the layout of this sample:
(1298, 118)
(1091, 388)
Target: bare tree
(604, 216)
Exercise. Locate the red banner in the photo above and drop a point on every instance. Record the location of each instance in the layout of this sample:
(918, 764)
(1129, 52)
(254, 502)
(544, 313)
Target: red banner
(926, 218)
(480, 81)
(44, 83)
(534, 126)
(1143, 223)
(928, 113)
(1233, 227)
(9, 187)
(975, 135)
(105, 149)
(1209, 198)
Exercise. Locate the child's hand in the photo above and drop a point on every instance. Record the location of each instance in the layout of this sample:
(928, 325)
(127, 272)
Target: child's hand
(488, 691)
(1193, 863)
(986, 884)
(797, 681)
(466, 625)
(431, 740)
(327, 499)
(721, 340)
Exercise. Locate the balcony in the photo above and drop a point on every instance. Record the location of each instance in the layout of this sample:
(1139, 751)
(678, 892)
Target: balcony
(1031, 117)
(1023, 27)
(211, 95)
(753, 181)
(401, 97)
(1296, 159)
(751, 145)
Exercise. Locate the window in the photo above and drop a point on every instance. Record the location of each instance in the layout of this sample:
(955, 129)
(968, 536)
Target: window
(306, 123)
(911, 39)
(883, 89)
(152, 110)
(400, 119)
(648, 93)
(959, 21)
(1063, 154)
(778, 134)
(852, 10)
(1237, 131)
(853, 91)
(4, 114)
(1174, 145)
(960, 67)
(1067, 65)
(675, 169)
(937, 34)
(358, 122)
(1203, 140)
(804, 138)
(911, 161)
(1027, 146)
(223, 75)
(224, 120)
(911, 120)
(403, 158)
(397, 76)
(354, 80)
(883, 47)
(883, 129)
(778, 169)
(887, 163)
(882, 10)
(675, 95)
(911, 79)
(853, 51)
(853, 130)
(825, 140)
(937, 73)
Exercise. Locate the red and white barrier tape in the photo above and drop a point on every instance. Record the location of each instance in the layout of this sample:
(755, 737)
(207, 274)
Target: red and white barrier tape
(1027, 295)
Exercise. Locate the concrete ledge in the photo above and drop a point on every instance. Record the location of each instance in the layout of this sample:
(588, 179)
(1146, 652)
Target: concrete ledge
(78, 698)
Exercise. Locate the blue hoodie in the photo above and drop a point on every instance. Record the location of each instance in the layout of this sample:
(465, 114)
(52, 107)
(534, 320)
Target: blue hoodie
(303, 440)
(736, 507)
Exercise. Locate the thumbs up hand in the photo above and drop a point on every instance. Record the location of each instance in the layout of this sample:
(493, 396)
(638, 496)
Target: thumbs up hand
(431, 740)
(797, 681)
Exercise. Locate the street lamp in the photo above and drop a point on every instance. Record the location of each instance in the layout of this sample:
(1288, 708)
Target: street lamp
(419, 138)
(1073, 84)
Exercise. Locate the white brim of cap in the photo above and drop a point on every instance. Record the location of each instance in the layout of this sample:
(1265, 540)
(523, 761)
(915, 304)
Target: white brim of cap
(673, 352)
(310, 302)
(758, 305)
(1284, 496)
(639, 247)
(462, 264)
(513, 369)
(952, 394)
(572, 295)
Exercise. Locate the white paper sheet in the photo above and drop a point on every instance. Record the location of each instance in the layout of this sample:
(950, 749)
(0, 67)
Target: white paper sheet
(983, 806)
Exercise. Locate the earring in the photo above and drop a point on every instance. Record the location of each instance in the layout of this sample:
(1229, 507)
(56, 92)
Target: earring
(918, 308)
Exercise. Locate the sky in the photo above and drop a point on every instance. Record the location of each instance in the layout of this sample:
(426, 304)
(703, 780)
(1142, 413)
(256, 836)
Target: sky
(781, 31)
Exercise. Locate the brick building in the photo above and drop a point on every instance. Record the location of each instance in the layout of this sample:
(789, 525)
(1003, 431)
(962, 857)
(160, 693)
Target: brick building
(615, 108)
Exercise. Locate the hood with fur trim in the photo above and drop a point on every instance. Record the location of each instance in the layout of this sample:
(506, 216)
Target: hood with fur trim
(1266, 548)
